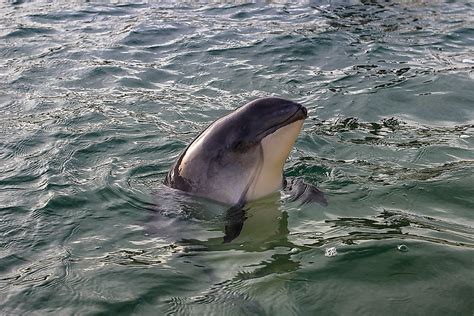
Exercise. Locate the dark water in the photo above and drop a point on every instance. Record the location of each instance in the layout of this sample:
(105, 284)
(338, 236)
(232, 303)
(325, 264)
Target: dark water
(97, 100)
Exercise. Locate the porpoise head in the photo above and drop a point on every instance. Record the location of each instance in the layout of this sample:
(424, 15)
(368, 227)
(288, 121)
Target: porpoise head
(240, 156)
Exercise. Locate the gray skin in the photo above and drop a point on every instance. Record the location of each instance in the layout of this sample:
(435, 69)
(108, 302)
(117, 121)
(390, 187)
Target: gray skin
(225, 160)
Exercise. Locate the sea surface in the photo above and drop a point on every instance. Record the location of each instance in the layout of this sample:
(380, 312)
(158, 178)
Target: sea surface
(97, 99)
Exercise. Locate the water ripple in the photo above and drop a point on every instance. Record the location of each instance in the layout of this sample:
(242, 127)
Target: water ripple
(98, 99)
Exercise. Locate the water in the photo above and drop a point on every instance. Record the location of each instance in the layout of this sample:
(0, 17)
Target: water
(97, 100)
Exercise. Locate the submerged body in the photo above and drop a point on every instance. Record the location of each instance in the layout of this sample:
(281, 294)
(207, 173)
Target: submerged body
(240, 157)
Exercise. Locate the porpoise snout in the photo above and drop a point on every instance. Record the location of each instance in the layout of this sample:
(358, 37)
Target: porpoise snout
(304, 110)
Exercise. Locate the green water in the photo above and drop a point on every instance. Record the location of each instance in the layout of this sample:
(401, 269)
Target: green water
(97, 100)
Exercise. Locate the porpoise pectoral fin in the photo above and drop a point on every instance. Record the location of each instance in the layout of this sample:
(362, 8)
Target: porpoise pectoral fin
(304, 192)
(234, 221)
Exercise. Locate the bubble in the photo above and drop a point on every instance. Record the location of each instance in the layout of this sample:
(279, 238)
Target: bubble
(402, 248)
(330, 252)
